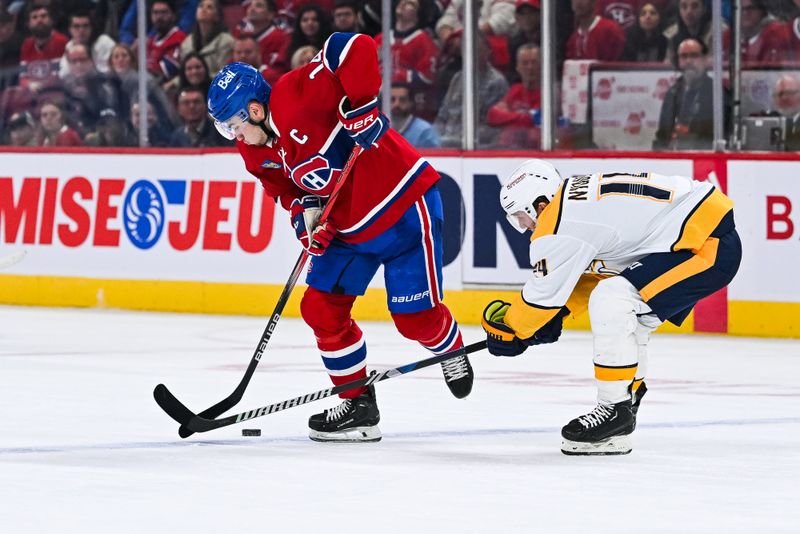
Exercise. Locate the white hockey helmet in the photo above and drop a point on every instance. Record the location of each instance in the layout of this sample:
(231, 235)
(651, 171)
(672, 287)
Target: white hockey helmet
(525, 186)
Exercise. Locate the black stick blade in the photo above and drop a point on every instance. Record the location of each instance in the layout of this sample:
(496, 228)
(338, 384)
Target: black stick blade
(173, 407)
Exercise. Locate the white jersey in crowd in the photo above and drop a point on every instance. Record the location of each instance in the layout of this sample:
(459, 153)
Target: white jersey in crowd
(604, 223)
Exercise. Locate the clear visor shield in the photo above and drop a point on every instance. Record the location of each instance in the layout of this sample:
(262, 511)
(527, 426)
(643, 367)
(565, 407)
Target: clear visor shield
(230, 128)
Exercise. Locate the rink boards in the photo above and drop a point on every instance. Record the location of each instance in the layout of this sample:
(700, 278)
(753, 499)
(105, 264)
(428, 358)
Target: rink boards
(192, 232)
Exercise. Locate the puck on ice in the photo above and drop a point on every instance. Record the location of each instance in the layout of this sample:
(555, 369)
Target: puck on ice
(251, 431)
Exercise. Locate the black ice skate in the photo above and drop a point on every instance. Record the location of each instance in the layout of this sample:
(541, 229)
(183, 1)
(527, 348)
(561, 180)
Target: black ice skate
(604, 430)
(458, 376)
(637, 401)
(353, 420)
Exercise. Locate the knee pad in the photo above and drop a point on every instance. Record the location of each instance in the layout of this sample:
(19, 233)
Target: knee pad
(434, 328)
(613, 307)
(328, 315)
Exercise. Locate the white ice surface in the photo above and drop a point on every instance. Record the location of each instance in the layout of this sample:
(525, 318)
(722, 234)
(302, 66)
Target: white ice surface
(85, 449)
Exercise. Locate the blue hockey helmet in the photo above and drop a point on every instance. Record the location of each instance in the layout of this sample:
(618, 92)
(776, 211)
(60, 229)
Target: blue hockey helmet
(235, 86)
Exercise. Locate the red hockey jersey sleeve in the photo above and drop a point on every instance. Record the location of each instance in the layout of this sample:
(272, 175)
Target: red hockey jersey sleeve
(353, 60)
(263, 162)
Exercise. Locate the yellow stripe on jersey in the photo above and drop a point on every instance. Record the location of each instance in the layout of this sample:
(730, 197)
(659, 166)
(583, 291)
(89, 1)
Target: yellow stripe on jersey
(578, 301)
(636, 384)
(703, 220)
(526, 318)
(613, 374)
(547, 222)
(702, 260)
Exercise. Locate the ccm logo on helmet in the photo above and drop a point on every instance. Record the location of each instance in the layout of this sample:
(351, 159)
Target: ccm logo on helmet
(226, 79)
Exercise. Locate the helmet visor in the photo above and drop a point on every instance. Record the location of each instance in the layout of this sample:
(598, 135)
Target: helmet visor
(230, 128)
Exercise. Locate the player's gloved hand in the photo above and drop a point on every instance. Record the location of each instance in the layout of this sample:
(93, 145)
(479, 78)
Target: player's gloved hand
(501, 340)
(551, 331)
(305, 213)
(365, 124)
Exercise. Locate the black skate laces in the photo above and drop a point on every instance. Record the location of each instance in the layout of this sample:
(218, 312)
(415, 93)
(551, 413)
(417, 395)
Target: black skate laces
(334, 414)
(600, 413)
(455, 368)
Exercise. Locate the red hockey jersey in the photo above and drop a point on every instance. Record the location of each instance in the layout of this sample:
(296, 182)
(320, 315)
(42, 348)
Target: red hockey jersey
(312, 147)
(162, 53)
(604, 40)
(413, 57)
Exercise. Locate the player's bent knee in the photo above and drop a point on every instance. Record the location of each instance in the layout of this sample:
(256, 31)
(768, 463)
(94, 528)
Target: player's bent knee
(612, 307)
(327, 314)
(423, 325)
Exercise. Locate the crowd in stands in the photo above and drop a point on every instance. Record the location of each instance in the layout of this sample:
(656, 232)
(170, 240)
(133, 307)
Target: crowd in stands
(68, 68)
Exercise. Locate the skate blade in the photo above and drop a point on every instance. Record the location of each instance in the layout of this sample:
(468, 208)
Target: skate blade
(364, 434)
(612, 446)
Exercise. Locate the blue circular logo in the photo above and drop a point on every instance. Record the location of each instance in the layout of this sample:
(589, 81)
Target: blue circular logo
(143, 214)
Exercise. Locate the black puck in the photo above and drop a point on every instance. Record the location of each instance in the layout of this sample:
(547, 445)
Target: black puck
(251, 431)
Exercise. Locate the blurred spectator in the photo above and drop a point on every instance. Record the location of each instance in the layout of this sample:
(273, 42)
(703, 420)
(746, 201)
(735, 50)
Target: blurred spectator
(10, 46)
(88, 91)
(345, 16)
(594, 37)
(245, 50)
(123, 73)
(303, 56)
(492, 85)
(418, 132)
(787, 103)
(163, 41)
(369, 16)
(528, 15)
(184, 13)
(694, 20)
(625, 12)
(21, 130)
(272, 42)
(157, 134)
(764, 39)
(645, 40)
(209, 37)
(54, 130)
(193, 73)
(81, 32)
(42, 50)
(687, 118)
(110, 130)
(519, 113)
(495, 17)
(197, 130)
(413, 50)
(312, 27)
(793, 31)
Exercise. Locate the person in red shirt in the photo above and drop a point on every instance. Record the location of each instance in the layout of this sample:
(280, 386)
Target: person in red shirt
(273, 42)
(164, 41)
(295, 138)
(54, 130)
(414, 54)
(793, 34)
(42, 50)
(518, 113)
(594, 37)
(764, 39)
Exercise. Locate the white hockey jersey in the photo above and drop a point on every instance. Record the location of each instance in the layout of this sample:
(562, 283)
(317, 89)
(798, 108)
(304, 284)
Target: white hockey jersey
(603, 223)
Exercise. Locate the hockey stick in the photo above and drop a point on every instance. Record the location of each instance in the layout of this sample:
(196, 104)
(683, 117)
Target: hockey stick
(12, 259)
(174, 408)
(199, 423)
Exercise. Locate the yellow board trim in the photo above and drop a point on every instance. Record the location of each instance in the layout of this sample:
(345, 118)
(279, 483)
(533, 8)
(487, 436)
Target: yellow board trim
(614, 374)
(704, 259)
(745, 318)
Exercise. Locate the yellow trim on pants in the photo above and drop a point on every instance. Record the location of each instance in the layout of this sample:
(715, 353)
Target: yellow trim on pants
(613, 374)
(702, 260)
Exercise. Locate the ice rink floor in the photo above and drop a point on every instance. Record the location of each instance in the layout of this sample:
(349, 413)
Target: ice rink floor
(85, 449)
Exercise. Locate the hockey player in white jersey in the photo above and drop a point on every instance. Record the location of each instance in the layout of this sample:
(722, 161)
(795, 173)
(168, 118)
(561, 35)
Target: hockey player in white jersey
(636, 250)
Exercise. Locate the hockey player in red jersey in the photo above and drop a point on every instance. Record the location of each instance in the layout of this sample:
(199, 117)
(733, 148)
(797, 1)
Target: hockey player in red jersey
(295, 138)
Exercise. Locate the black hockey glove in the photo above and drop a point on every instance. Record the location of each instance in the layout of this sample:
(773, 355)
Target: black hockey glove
(551, 331)
(501, 340)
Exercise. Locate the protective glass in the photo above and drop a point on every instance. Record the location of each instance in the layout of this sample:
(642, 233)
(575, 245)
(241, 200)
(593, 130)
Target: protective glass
(230, 128)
